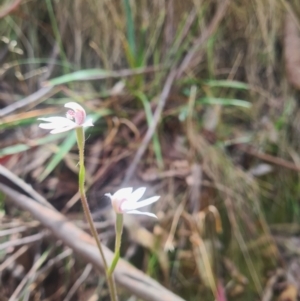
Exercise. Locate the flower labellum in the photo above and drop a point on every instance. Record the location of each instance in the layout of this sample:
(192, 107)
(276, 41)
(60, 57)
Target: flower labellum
(126, 201)
(76, 117)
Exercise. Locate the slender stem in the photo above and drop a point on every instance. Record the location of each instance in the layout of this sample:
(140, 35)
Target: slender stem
(119, 230)
(85, 205)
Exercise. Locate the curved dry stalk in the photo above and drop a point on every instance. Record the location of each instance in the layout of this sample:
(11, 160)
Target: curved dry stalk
(84, 245)
(22, 241)
(151, 130)
(35, 98)
(78, 282)
(193, 56)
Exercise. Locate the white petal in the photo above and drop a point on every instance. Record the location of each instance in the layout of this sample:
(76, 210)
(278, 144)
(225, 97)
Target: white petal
(74, 106)
(125, 206)
(48, 126)
(137, 194)
(141, 213)
(123, 193)
(63, 129)
(58, 120)
(88, 122)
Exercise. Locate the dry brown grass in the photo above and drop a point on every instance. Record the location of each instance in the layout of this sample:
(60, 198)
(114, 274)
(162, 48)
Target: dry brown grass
(207, 173)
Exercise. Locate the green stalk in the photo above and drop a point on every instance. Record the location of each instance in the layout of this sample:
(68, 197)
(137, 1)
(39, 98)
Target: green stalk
(85, 205)
(119, 230)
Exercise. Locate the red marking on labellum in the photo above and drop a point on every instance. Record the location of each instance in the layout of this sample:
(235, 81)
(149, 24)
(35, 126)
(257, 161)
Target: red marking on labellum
(78, 116)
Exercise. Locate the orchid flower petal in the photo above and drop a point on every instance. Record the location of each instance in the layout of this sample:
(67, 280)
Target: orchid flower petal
(125, 206)
(126, 201)
(61, 130)
(137, 194)
(75, 118)
(88, 122)
(77, 112)
(60, 121)
(74, 106)
(48, 126)
(141, 213)
(57, 124)
(123, 193)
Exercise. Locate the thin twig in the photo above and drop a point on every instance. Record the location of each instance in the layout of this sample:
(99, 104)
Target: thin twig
(151, 130)
(22, 241)
(53, 261)
(190, 58)
(13, 231)
(28, 276)
(42, 273)
(79, 281)
(13, 258)
(35, 97)
(272, 159)
(15, 180)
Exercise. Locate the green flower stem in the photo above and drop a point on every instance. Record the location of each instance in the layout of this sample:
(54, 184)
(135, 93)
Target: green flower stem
(85, 205)
(119, 230)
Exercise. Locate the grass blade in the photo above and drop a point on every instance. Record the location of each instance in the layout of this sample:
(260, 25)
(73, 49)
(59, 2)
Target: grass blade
(224, 102)
(130, 27)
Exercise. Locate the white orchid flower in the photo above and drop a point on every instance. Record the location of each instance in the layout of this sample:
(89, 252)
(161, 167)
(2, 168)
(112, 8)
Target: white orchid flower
(126, 201)
(76, 117)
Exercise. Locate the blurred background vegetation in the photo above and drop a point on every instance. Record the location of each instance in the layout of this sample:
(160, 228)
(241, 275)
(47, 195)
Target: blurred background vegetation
(198, 100)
